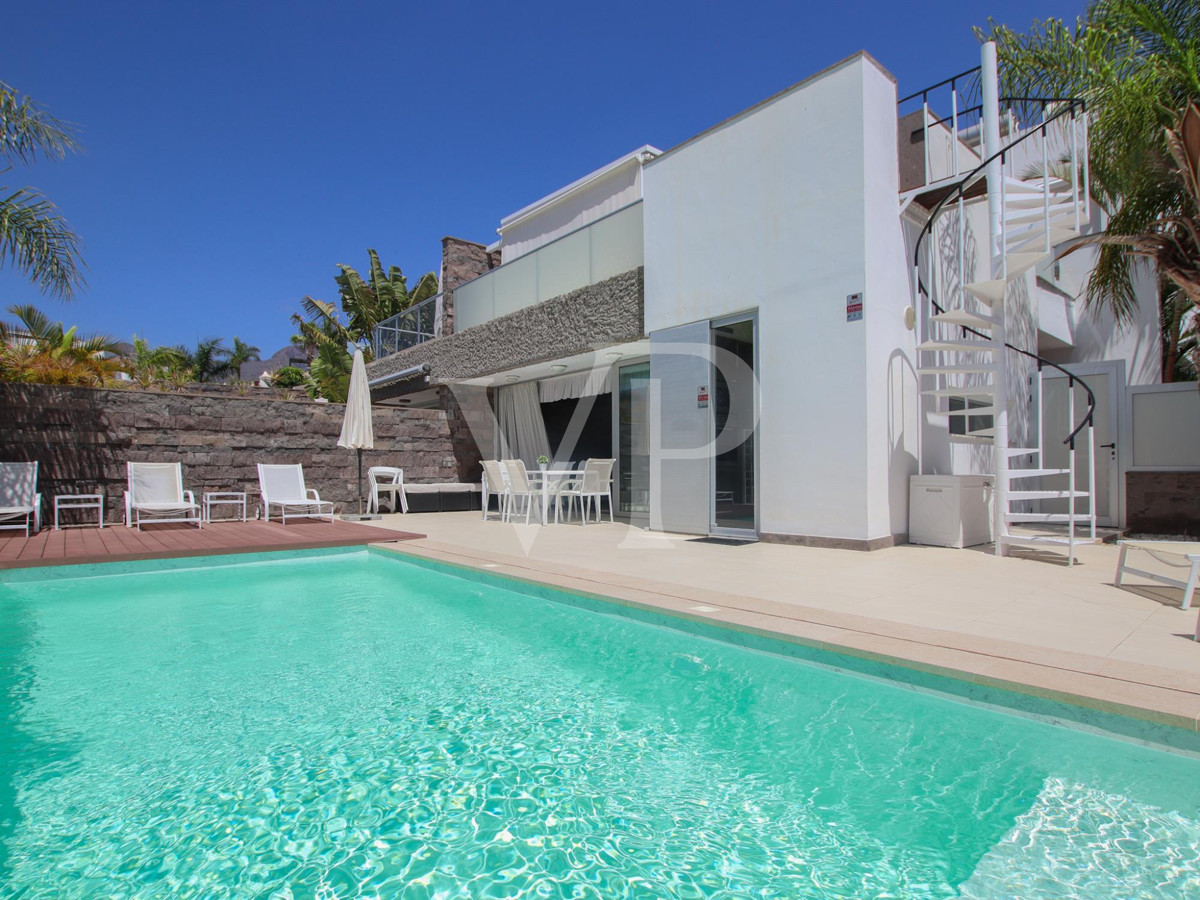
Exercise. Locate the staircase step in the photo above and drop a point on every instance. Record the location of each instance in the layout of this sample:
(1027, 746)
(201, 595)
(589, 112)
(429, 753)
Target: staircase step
(963, 346)
(988, 433)
(1014, 474)
(990, 292)
(975, 390)
(970, 439)
(1034, 539)
(962, 317)
(1034, 186)
(1021, 494)
(1020, 231)
(950, 370)
(1061, 214)
(973, 411)
(1030, 200)
(1034, 241)
(1020, 262)
(1021, 451)
(1058, 518)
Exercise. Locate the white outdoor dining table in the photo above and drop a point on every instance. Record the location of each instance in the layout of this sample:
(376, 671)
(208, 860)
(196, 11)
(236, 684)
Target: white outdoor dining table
(545, 477)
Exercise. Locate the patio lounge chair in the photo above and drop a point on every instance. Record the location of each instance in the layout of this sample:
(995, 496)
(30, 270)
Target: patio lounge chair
(1180, 554)
(19, 500)
(283, 486)
(156, 494)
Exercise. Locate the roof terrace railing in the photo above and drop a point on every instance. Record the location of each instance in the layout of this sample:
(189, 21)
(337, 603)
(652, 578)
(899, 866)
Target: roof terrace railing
(415, 325)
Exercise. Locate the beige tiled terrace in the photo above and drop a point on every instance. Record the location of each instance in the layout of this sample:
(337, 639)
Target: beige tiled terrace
(1032, 624)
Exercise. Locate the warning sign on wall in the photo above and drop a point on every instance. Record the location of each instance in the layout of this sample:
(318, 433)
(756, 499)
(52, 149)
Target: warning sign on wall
(854, 307)
(702, 396)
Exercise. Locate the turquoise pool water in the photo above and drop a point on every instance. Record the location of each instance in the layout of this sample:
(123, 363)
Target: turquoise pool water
(353, 725)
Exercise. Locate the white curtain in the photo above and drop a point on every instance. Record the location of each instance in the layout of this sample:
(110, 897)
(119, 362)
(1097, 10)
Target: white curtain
(522, 430)
(576, 385)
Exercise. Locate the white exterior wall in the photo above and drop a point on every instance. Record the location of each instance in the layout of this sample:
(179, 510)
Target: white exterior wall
(770, 211)
(893, 418)
(1096, 334)
(610, 192)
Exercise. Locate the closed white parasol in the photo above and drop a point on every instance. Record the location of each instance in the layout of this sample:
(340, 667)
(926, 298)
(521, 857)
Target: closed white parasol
(357, 431)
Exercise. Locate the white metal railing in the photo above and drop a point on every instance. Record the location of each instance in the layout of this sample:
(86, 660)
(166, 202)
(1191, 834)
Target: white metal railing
(599, 250)
(415, 325)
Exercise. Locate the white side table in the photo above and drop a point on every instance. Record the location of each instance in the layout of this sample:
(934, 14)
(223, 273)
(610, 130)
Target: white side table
(224, 498)
(78, 501)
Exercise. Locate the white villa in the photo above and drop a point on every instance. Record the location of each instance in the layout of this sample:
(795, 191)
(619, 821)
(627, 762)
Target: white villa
(739, 322)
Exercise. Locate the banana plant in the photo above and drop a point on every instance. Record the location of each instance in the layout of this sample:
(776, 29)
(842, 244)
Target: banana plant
(364, 303)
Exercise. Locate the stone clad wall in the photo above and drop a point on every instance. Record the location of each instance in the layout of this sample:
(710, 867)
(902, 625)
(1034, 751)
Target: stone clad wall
(82, 439)
(461, 261)
(599, 315)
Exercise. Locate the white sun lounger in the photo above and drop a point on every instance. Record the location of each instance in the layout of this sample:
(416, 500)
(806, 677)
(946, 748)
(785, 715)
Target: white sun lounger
(1179, 554)
(283, 486)
(20, 502)
(156, 494)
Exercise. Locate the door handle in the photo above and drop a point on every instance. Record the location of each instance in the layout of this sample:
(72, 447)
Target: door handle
(1111, 446)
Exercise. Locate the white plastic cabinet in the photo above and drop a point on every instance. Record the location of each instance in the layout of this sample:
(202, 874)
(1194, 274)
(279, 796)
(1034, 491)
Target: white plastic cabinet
(950, 510)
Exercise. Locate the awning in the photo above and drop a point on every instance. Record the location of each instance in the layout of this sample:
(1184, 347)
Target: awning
(576, 385)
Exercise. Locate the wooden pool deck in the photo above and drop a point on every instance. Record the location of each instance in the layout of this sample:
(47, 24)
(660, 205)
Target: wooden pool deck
(116, 542)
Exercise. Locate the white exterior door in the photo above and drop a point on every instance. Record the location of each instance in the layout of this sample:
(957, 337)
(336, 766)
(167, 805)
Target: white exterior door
(679, 429)
(1107, 381)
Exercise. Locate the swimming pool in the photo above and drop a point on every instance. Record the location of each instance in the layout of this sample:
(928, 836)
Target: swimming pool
(349, 724)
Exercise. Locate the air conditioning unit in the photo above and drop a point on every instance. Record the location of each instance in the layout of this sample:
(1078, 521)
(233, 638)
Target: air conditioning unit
(950, 510)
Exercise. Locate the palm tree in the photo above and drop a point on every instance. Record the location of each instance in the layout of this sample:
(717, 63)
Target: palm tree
(241, 353)
(34, 238)
(1135, 64)
(209, 361)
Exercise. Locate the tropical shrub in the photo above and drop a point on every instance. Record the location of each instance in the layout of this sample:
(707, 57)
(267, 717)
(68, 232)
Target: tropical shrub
(288, 377)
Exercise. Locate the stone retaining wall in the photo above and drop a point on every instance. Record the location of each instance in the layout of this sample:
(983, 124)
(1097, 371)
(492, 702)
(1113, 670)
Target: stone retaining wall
(82, 439)
(1163, 503)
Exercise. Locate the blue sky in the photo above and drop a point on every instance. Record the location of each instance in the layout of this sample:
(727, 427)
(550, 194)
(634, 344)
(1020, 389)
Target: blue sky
(235, 152)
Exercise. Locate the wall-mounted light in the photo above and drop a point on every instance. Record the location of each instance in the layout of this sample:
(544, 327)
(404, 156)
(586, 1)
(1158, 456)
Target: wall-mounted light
(512, 378)
(614, 355)
(558, 368)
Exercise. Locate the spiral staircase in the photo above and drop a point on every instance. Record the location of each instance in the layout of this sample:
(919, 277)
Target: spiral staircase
(964, 354)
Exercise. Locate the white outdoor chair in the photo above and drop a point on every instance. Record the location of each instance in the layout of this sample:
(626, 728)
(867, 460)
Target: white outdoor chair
(594, 486)
(283, 486)
(518, 486)
(385, 480)
(19, 500)
(559, 486)
(495, 484)
(156, 494)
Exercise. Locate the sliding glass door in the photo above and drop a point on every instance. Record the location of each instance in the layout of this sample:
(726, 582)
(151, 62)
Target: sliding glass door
(633, 441)
(734, 413)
